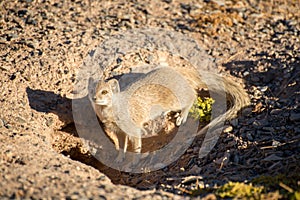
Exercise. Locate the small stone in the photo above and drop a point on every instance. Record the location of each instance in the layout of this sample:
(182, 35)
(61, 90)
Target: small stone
(263, 89)
(271, 129)
(275, 143)
(232, 50)
(246, 111)
(219, 2)
(228, 129)
(254, 79)
(246, 73)
(272, 157)
(297, 129)
(1, 123)
(263, 133)
(234, 122)
(195, 170)
(236, 158)
(257, 124)
(295, 117)
(49, 121)
(21, 120)
(249, 136)
(275, 111)
(74, 196)
(8, 126)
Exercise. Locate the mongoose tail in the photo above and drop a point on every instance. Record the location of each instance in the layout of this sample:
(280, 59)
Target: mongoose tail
(235, 93)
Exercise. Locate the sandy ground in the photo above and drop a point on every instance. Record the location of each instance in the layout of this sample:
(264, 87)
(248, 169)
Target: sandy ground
(43, 44)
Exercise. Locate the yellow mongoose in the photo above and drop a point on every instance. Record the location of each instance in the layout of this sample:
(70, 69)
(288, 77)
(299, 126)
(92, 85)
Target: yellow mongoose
(155, 94)
(152, 96)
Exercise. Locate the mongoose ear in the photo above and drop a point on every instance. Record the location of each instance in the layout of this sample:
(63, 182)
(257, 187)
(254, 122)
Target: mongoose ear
(114, 85)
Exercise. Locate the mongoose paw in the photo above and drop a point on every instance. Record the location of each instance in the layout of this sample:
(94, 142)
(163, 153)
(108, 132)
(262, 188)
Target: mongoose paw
(137, 150)
(177, 115)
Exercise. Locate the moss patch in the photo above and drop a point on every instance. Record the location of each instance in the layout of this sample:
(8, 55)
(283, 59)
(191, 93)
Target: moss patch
(239, 190)
(202, 109)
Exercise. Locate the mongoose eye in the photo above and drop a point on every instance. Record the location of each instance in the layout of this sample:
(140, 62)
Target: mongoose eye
(104, 92)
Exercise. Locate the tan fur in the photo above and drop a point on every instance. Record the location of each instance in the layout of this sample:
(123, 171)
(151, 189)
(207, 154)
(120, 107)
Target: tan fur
(147, 91)
(152, 96)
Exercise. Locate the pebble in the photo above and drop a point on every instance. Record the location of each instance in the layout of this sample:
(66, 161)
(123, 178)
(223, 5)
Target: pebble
(272, 157)
(236, 158)
(228, 129)
(8, 126)
(219, 2)
(247, 112)
(249, 136)
(260, 123)
(263, 88)
(271, 129)
(295, 117)
(49, 121)
(195, 170)
(276, 111)
(21, 120)
(297, 129)
(254, 79)
(234, 122)
(1, 123)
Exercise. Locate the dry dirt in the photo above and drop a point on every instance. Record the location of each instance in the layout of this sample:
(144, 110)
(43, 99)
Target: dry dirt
(44, 42)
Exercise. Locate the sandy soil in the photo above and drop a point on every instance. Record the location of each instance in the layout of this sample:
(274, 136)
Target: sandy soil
(43, 44)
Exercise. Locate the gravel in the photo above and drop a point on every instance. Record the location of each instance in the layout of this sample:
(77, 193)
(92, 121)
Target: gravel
(43, 44)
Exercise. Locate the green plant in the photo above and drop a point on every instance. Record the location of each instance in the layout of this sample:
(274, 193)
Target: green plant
(239, 190)
(202, 109)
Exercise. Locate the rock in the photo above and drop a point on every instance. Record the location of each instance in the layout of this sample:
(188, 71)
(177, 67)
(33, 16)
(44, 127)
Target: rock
(276, 111)
(234, 122)
(297, 130)
(21, 120)
(272, 157)
(195, 170)
(228, 129)
(219, 2)
(295, 117)
(255, 79)
(271, 129)
(263, 89)
(246, 73)
(49, 121)
(247, 112)
(1, 123)
(260, 123)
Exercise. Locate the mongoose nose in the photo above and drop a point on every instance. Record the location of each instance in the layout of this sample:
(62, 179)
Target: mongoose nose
(94, 98)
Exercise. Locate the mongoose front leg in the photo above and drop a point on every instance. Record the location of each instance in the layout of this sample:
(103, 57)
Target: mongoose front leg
(121, 155)
(137, 144)
(182, 117)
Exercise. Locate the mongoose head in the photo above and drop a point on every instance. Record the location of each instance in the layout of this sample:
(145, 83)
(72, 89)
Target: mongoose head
(104, 92)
